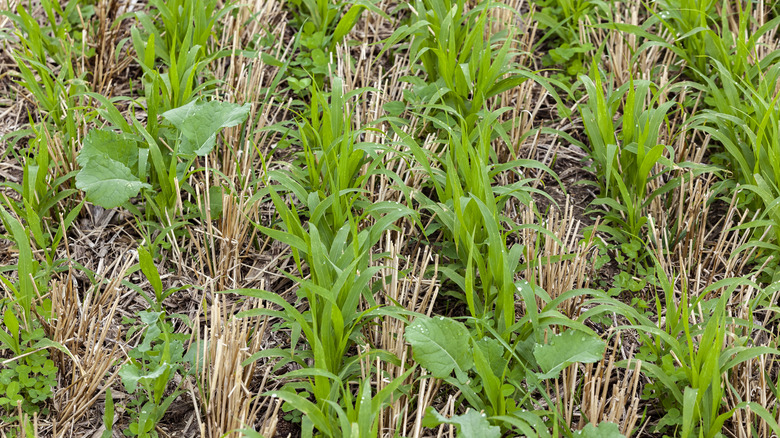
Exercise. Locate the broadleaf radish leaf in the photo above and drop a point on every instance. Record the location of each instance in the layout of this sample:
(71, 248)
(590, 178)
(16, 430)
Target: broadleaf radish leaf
(200, 123)
(571, 346)
(108, 163)
(108, 183)
(100, 143)
(605, 429)
(440, 345)
(470, 424)
(132, 375)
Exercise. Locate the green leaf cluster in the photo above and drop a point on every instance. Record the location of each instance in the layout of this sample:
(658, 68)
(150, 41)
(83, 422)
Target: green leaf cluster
(153, 362)
(321, 25)
(493, 376)
(27, 380)
(569, 48)
(117, 165)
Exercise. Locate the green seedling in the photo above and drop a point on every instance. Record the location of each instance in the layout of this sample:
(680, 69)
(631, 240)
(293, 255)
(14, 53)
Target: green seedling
(172, 89)
(627, 152)
(181, 37)
(24, 292)
(689, 356)
(468, 211)
(561, 19)
(701, 35)
(61, 33)
(108, 415)
(356, 415)
(495, 376)
(330, 176)
(153, 363)
(41, 207)
(55, 93)
(321, 26)
(745, 120)
(146, 262)
(27, 379)
(323, 229)
(178, 26)
(464, 69)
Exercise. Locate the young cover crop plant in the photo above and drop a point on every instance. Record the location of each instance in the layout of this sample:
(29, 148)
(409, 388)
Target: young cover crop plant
(116, 166)
(745, 120)
(327, 238)
(565, 23)
(626, 150)
(464, 68)
(321, 26)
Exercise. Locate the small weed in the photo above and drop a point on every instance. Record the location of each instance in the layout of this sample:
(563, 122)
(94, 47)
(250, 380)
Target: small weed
(565, 22)
(153, 363)
(27, 380)
(321, 25)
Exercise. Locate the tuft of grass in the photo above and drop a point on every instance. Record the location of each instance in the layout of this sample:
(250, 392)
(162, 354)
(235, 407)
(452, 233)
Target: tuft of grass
(626, 128)
(744, 120)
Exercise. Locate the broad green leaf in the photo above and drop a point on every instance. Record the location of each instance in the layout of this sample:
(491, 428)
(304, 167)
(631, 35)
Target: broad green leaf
(100, 143)
(149, 318)
(605, 429)
(494, 353)
(215, 206)
(440, 345)
(394, 108)
(571, 346)
(108, 183)
(132, 375)
(200, 123)
(469, 425)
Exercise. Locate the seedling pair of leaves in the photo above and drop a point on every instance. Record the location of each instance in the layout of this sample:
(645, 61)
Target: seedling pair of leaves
(116, 166)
